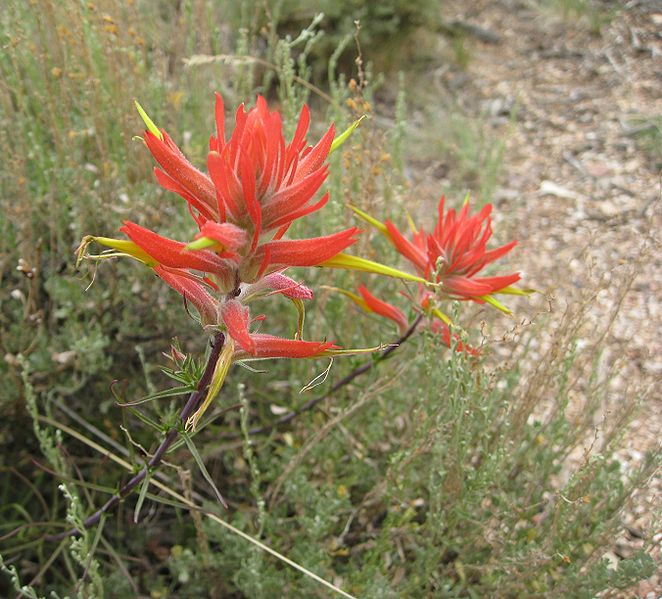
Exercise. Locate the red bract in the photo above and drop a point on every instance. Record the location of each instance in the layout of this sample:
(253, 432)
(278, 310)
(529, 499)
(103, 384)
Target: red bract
(268, 346)
(173, 253)
(256, 187)
(236, 319)
(279, 283)
(455, 252)
(444, 331)
(374, 304)
(193, 290)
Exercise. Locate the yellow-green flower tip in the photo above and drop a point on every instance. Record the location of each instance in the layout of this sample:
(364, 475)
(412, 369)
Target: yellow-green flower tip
(127, 248)
(348, 262)
(344, 136)
(201, 244)
(149, 123)
(369, 219)
(495, 303)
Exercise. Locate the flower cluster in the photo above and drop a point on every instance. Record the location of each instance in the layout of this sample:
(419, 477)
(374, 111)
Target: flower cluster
(257, 185)
(450, 258)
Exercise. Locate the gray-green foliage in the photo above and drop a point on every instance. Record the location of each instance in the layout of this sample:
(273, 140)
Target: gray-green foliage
(435, 474)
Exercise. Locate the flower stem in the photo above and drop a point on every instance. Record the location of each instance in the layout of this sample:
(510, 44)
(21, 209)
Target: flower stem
(193, 401)
(365, 367)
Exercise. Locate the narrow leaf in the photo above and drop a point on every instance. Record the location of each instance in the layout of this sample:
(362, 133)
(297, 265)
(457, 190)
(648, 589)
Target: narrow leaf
(174, 392)
(145, 419)
(203, 469)
(141, 497)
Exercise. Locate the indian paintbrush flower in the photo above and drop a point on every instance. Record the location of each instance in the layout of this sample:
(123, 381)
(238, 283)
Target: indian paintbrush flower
(256, 188)
(450, 258)
(257, 185)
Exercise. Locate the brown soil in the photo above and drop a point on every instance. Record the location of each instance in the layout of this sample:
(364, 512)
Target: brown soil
(578, 179)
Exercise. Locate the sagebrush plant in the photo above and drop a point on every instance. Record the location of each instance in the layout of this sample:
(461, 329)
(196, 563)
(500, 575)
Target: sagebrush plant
(420, 471)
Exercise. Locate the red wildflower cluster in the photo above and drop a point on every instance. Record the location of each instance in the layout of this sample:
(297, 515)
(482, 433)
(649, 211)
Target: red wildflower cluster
(455, 252)
(257, 186)
(450, 258)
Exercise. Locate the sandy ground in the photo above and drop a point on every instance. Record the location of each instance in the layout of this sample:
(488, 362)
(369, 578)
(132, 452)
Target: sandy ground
(574, 107)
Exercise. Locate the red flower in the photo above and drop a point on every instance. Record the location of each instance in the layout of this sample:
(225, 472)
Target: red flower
(444, 331)
(256, 187)
(455, 252)
(374, 304)
(268, 346)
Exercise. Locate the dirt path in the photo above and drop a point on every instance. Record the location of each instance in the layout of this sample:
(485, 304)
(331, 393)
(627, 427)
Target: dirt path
(576, 109)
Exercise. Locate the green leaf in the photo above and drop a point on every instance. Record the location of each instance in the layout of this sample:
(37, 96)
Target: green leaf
(203, 469)
(141, 497)
(174, 392)
(145, 419)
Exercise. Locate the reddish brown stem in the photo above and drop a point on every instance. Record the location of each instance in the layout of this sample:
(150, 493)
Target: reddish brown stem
(309, 405)
(193, 401)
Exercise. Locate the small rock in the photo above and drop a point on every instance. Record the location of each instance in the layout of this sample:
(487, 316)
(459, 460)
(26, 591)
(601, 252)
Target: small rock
(552, 189)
